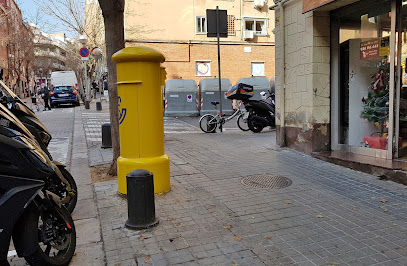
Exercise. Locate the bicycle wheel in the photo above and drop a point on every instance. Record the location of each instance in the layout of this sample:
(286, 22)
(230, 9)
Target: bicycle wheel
(208, 123)
(242, 123)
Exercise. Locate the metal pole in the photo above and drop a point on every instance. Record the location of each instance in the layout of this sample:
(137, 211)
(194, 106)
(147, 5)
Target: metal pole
(220, 78)
(86, 82)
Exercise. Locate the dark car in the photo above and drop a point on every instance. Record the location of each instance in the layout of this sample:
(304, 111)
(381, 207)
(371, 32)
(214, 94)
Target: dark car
(64, 94)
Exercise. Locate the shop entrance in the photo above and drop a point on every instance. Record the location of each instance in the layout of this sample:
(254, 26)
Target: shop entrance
(362, 78)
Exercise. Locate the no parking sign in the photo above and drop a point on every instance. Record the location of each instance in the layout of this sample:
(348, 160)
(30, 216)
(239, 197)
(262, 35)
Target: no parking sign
(189, 98)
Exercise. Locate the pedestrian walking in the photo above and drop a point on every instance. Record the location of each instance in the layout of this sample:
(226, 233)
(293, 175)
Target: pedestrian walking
(45, 95)
(105, 87)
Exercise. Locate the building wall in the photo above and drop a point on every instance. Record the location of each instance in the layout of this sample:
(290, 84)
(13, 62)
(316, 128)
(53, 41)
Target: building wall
(15, 40)
(306, 99)
(176, 20)
(170, 27)
(235, 63)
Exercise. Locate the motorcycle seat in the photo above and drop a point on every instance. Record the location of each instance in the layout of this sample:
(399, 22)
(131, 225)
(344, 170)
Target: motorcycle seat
(214, 103)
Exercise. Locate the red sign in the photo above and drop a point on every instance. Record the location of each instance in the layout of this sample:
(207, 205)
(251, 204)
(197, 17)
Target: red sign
(84, 52)
(369, 49)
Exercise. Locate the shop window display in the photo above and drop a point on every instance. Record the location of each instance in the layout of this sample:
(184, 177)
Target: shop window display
(364, 38)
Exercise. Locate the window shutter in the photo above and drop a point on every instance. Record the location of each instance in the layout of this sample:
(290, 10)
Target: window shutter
(231, 25)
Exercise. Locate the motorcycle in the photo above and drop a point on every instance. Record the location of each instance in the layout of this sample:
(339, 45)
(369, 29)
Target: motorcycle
(42, 229)
(59, 181)
(261, 113)
(41, 134)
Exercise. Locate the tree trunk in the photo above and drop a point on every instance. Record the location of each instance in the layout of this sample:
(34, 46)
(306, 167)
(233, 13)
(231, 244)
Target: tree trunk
(113, 15)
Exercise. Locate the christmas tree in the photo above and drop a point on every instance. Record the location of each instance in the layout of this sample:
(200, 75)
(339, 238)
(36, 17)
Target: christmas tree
(376, 107)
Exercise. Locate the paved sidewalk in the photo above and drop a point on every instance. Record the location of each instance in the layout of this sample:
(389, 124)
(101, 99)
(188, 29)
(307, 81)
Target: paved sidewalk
(330, 215)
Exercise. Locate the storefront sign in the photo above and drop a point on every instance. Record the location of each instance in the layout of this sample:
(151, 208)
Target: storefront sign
(385, 46)
(369, 49)
(308, 5)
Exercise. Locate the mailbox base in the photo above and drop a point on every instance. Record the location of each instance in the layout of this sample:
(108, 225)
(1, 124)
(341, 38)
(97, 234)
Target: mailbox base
(159, 166)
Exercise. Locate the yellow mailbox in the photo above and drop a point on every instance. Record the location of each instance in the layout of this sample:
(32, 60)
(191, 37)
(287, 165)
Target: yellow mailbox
(139, 79)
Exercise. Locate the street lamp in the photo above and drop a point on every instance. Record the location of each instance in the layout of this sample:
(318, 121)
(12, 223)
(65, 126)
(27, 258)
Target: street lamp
(83, 40)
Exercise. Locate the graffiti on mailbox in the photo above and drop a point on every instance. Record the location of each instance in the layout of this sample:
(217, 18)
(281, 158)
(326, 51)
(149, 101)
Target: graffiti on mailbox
(122, 112)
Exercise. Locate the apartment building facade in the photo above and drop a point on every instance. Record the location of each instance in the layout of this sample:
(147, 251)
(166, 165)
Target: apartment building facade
(16, 50)
(178, 30)
(50, 54)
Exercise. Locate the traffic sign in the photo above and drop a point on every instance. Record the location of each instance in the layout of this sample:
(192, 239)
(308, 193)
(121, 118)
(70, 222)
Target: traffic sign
(84, 52)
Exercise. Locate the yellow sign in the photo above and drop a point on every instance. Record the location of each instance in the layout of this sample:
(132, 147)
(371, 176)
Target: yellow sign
(384, 46)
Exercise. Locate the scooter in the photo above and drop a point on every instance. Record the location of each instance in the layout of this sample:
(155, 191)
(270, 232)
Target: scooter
(59, 181)
(42, 229)
(261, 113)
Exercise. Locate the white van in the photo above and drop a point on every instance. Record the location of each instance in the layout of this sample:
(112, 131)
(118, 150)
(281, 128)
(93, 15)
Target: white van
(59, 78)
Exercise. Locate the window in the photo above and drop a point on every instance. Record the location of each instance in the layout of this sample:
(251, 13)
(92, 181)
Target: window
(203, 68)
(201, 25)
(257, 25)
(258, 69)
(231, 25)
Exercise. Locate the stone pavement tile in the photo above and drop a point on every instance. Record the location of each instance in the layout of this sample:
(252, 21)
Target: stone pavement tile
(207, 194)
(85, 208)
(92, 255)
(87, 231)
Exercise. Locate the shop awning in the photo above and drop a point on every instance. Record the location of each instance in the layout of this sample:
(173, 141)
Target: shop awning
(324, 5)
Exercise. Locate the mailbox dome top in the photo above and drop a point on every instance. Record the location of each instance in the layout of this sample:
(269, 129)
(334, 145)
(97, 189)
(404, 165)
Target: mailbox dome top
(138, 53)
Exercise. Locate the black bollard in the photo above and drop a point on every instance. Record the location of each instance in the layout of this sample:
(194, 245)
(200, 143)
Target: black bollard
(140, 200)
(106, 136)
(98, 106)
(87, 104)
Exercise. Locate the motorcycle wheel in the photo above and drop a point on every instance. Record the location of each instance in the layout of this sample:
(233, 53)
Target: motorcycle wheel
(253, 126)
(61, 248)
(208, 123)
(70, 206)
(242, 123)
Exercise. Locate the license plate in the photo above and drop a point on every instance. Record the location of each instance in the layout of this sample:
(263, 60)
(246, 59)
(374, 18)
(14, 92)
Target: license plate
(63, 94)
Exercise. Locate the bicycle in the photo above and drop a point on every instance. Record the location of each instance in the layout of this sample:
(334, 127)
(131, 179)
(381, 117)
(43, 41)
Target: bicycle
(208, 123)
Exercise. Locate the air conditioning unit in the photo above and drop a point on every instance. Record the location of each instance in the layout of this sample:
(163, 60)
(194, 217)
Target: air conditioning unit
(259, 3)
(248, 34)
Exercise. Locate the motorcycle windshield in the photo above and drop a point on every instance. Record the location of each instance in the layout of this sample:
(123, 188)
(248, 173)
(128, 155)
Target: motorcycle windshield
(7, 119)
(24, 108)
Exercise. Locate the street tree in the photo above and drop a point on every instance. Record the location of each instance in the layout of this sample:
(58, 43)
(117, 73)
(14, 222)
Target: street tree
(108, 35)
(20, 49)
(113, 16)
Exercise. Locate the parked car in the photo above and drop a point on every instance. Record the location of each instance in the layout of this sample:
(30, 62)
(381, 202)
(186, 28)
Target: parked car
(64, 94)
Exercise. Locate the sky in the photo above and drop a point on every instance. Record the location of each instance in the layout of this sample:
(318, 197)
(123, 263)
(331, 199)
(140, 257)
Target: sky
(29, 8)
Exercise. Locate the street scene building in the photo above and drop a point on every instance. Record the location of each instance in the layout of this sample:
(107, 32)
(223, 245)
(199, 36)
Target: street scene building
(50, 54)
(247, 51)
(16, 49)
(126, 158)
(341, 76)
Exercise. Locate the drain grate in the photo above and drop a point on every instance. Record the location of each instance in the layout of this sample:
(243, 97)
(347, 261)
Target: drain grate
(266, 181)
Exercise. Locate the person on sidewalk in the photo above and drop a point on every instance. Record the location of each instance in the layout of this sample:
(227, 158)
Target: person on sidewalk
(45, 95)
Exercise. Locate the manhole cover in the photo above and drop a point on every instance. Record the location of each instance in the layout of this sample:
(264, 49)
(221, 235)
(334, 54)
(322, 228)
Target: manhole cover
(266, 181)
